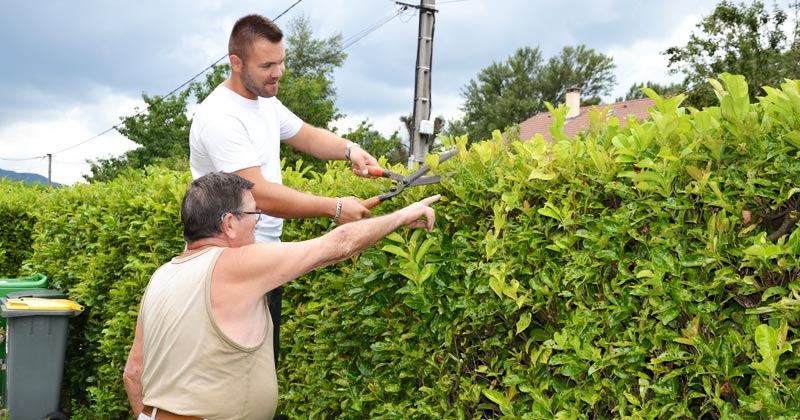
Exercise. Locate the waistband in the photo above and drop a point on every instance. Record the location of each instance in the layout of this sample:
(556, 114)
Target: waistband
(165, 415)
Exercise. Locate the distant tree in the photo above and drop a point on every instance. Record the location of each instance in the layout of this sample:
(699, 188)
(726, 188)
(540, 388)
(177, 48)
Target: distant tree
(502, 94)
(507, 93)
(307, 86)
(217, 74)
(635, 91)
(579, 67)
(162, 132)
(738, 39)
(306, 55)
(370, 139)
(455, 127)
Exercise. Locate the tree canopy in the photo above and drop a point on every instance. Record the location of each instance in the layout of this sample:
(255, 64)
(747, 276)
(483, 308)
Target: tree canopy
(509, 92)
(666, 90)
(378, 145)
(738, 39)
(307, 86)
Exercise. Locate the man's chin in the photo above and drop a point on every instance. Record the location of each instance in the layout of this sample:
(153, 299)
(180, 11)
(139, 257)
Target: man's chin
(271, 90)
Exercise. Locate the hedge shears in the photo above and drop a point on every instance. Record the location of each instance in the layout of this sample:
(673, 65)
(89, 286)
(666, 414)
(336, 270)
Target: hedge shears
(401, 182)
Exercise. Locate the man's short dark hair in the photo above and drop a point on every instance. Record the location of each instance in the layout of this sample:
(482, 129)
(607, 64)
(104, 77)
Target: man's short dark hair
(207, 199)
(248, 30)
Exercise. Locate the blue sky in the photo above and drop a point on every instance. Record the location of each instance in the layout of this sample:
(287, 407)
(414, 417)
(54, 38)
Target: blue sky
(72, 69)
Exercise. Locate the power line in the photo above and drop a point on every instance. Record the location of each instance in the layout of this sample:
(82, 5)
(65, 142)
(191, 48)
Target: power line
(366, 31)
(23, 159)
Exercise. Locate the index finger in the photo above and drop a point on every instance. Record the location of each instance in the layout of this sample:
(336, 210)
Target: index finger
(430, 200)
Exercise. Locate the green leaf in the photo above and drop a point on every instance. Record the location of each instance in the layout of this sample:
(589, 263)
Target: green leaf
(497, 285)
(524, 322)
(770, 345)
(423, 249)
(497, 397)
(396, 250)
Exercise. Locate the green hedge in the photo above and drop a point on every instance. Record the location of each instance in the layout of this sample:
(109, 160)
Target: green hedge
(100, 243)
(645, 272)
(649, 272)
(19, 207)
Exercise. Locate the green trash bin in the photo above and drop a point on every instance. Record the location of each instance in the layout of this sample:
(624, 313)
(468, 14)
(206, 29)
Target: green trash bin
(36, 341)
(14, 285)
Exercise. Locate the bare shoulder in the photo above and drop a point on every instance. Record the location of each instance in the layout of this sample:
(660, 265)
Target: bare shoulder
(262, 267)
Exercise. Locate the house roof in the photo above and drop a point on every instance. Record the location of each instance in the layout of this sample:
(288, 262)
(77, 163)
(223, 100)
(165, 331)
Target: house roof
(540, 123)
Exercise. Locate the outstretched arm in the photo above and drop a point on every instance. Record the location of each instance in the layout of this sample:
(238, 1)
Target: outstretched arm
(256, 269)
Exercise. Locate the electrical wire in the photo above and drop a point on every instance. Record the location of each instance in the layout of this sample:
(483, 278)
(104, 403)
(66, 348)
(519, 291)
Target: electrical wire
(366, 31)
(23, 159)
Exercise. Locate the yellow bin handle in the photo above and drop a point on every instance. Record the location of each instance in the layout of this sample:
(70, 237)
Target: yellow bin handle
(43, 304)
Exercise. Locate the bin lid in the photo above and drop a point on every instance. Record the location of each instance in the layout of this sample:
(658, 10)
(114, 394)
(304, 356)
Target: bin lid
(30, 306)
(37, 293)
(36, 281)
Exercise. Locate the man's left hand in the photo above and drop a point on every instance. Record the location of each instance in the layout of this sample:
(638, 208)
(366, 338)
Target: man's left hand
(360, 159)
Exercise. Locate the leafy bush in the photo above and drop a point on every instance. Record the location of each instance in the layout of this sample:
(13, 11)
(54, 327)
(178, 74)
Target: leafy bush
(19, 205)
(650, 272)
(645, 272)
(100, 243)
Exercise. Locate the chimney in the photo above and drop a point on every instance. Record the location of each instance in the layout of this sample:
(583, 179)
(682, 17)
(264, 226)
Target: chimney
(573, 102)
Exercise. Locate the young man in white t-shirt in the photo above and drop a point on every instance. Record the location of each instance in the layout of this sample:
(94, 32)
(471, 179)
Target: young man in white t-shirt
(239, 128)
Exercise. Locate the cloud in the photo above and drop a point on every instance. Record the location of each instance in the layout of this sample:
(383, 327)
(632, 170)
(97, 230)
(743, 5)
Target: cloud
(644, 61)
(56, 130)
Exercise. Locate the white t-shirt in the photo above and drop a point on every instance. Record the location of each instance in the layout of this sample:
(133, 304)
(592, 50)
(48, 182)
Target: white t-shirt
(230, 132)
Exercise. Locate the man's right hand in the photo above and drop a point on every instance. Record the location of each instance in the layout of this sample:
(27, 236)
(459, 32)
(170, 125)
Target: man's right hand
(420, 214)
(352, 210)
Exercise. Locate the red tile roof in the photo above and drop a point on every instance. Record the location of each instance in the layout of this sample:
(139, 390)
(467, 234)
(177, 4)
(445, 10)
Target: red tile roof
(540, 123)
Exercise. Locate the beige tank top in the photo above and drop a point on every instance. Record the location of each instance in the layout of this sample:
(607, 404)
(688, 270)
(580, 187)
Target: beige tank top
(190, 366)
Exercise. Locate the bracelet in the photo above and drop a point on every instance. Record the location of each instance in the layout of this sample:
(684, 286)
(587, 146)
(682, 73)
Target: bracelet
(347, 149)
(338, 210)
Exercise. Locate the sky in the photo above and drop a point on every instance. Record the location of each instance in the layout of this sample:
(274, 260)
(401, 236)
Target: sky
(73, 69)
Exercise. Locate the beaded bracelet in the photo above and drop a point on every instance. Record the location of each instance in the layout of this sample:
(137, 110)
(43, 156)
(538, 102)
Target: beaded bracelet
(338, 210)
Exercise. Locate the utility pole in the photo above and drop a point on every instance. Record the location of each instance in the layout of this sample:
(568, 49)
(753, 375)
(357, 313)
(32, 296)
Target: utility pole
(49, 169)
(422, 129)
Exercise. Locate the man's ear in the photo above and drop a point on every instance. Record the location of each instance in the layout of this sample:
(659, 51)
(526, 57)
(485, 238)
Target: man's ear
(227, 226)
(236, 63)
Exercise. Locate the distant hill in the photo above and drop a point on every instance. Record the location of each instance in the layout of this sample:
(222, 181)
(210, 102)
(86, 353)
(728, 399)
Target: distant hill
(25, 177)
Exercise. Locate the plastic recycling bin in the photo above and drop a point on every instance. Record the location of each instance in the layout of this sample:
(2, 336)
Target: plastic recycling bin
(11, 286)
(36, 341)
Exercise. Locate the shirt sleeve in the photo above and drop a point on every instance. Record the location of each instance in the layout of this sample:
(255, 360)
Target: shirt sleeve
(290, 123)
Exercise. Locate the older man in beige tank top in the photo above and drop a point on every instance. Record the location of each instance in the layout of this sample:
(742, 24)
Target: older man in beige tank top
(203, 342)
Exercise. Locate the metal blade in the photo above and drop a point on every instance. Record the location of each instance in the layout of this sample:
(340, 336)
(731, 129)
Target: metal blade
(412, 179)
(430, 179)
(425, 180)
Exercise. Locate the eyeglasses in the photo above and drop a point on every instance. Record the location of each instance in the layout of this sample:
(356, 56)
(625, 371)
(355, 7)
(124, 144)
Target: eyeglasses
(257, 213)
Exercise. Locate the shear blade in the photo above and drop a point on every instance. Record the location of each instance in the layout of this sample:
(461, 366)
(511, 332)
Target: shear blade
(425, 180)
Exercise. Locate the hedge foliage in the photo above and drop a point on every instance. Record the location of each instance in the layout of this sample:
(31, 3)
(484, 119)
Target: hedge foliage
(19, 207)
(100, 243)
(646, 272)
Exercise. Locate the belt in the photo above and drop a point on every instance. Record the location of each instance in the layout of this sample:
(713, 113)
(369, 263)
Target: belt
(166, 415)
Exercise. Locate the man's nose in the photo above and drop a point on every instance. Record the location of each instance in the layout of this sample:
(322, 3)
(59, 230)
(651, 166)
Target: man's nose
(279, 70)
